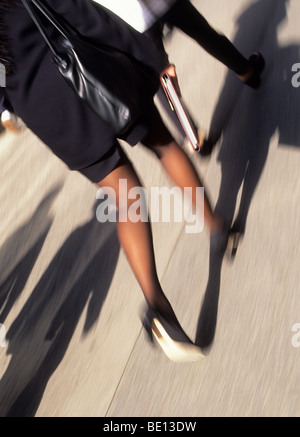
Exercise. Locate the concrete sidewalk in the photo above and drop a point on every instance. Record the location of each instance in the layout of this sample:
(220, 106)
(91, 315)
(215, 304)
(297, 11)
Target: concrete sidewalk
(68, 299)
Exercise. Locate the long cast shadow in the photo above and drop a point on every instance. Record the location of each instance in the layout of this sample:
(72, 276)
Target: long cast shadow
(78, 276)
(20, 252)
(245, 145)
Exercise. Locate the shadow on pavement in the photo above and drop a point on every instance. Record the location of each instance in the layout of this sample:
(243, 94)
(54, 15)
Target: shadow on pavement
(20, 252)
(246, 137)
(79, 276)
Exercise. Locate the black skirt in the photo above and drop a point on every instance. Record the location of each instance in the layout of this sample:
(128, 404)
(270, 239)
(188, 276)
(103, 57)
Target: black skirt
(51, 109)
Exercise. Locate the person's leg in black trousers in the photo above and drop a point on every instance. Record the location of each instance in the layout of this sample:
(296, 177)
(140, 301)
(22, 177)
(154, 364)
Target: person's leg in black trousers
(184, 16)
(187, 18)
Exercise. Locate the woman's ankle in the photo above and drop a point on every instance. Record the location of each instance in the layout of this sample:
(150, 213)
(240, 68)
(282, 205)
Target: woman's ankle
(161, 305)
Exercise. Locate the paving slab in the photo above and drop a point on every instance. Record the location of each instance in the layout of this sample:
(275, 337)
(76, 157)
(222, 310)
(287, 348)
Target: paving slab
(70, 303)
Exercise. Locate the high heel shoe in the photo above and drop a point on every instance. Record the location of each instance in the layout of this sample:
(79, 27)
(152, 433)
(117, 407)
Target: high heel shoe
(234, 239)
(170, 337)
(206, 148)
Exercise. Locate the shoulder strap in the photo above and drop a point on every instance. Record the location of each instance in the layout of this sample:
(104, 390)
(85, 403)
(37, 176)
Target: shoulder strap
(36, 9)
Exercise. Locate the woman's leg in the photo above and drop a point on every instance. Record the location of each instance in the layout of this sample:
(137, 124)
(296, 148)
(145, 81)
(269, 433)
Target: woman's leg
(136, 237)
(182, 172)
(179, 168)
(136, 240)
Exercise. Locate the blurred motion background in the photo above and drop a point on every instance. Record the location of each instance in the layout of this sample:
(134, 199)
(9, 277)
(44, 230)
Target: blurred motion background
(69, 301)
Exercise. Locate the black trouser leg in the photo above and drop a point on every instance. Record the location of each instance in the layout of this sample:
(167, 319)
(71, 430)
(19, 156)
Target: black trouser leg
(187, 18)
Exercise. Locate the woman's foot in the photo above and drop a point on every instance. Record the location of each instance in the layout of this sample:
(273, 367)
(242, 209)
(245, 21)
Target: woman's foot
(169, 335)
(206, 148)
(252, 77)
(205, 145)
(233, 242)
(235, 235)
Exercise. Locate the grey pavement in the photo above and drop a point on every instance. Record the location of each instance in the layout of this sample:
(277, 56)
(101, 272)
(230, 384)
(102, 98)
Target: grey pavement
(69, 302)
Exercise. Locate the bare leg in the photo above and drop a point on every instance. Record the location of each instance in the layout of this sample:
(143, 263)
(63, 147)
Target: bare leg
(136, 239)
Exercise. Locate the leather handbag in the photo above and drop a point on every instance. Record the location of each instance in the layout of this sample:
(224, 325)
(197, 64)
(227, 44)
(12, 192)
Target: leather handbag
(113, 84)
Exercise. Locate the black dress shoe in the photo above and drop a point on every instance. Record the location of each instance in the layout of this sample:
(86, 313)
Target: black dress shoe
(235, 237)
(170, 337)
(207, 148)
(257, 62)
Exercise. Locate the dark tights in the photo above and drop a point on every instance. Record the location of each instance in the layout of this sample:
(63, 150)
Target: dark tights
(136, 236)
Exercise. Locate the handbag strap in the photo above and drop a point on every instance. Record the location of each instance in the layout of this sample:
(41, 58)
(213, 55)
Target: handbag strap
(35, 8)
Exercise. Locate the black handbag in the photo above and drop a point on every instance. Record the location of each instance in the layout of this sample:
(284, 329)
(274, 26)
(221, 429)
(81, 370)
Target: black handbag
(114, 85)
